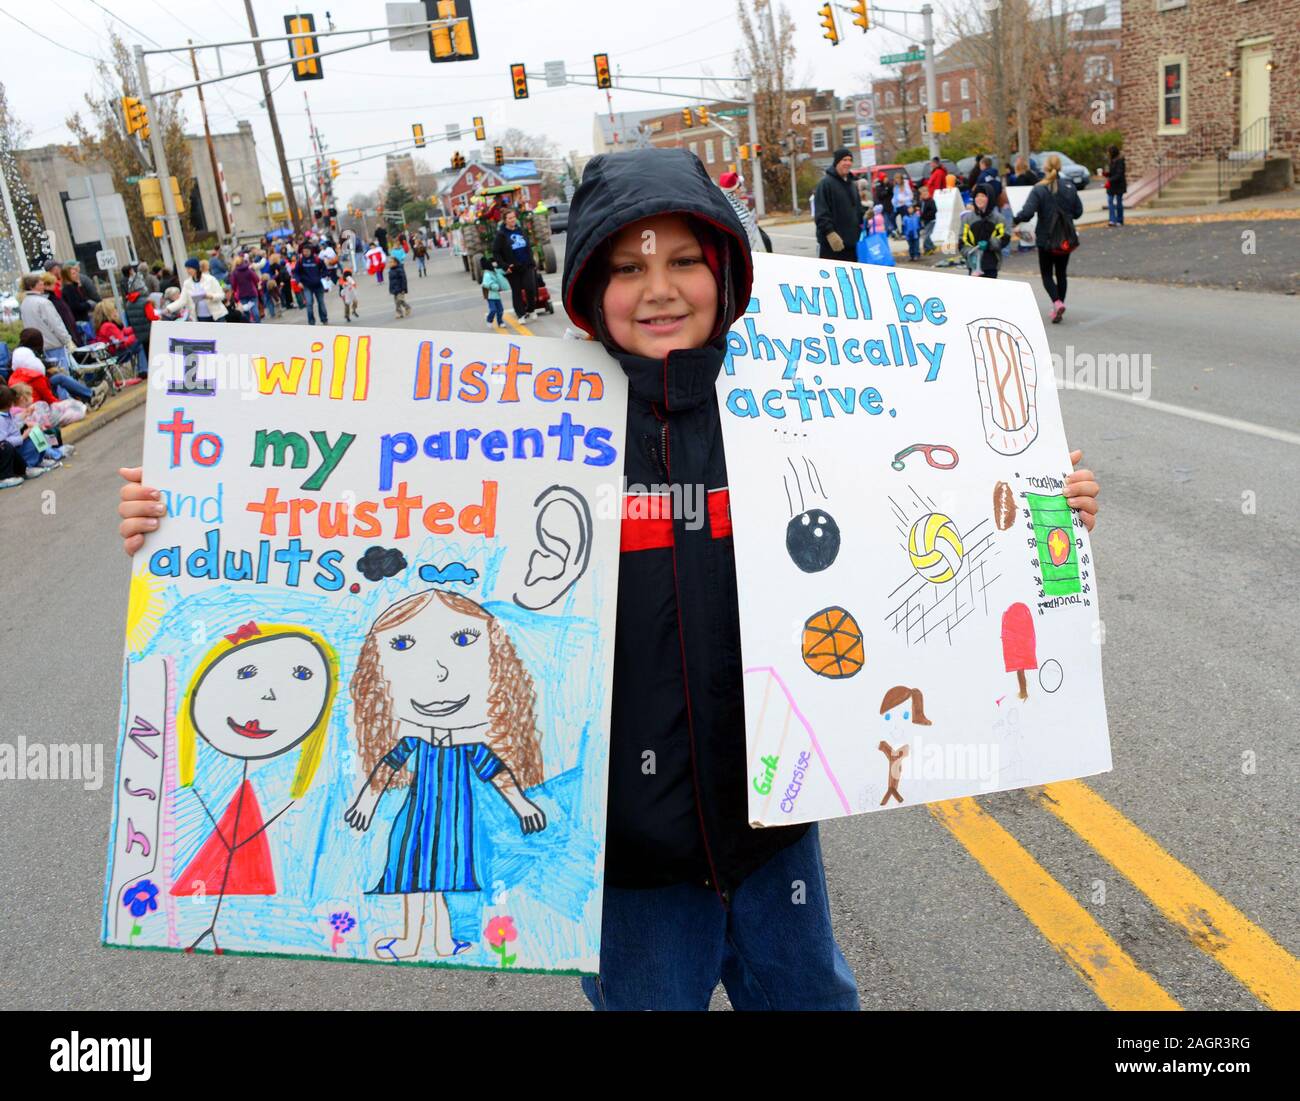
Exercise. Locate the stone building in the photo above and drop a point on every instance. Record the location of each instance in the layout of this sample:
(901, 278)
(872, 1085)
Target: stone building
(237, 157)
(1211, 96)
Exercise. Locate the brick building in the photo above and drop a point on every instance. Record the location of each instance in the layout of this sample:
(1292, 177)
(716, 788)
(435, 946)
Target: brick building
(1204, 77)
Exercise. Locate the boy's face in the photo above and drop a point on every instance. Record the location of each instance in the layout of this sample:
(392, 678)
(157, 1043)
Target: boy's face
(661, 296)
(981, 201)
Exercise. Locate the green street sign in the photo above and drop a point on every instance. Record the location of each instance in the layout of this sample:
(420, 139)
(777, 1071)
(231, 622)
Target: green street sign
(904, 58)
(134, 179)
(733, 113)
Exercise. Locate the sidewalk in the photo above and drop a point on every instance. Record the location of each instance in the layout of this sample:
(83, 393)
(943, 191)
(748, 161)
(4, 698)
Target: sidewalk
(116, 406)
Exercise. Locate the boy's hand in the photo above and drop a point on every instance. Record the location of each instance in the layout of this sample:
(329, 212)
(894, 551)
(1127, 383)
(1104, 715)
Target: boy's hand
(141, 509)
(1081, 490)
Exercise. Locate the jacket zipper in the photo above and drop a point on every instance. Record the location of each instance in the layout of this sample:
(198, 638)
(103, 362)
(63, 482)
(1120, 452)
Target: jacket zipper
(723, 896)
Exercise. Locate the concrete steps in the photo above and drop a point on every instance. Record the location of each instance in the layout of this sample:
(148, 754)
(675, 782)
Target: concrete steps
(1198, 185)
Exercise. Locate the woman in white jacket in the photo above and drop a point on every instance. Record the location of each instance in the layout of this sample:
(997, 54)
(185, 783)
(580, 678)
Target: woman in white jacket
(201, 295)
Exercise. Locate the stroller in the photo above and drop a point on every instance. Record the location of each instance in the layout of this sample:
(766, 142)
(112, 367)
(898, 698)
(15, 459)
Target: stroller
(542, 297)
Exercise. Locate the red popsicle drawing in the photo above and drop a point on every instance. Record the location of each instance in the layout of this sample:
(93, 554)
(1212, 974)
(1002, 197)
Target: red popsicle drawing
(1018, 644)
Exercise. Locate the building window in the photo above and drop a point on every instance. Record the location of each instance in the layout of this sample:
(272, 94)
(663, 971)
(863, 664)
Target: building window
(848, 136)
(1169, 5)
(726, 149)
(694, 148)
(909, 95)
(945, 91)
(923, 92)
(1173, 94)
(965, 88)
(820, 142)
(965, 114)
(1097, 68)
(889, 99)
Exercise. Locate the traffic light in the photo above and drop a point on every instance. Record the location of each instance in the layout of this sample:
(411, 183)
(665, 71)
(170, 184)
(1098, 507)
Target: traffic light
(479, 134)
(457, 160)
(757, 151)
(456, 42)
(136, 115)
(688, 119)
(828, 21)
(498, 156)
(602, 71)
(303, 45)
(861, 15)
(744, 152)
(417, 132)
(702, 113)
(520, 80)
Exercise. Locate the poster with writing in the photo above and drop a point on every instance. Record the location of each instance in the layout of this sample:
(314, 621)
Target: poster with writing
(918, 605)
(947, 223)
(365, 706)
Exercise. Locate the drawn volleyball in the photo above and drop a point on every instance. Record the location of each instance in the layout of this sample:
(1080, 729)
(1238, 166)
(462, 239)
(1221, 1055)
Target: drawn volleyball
(934, 546)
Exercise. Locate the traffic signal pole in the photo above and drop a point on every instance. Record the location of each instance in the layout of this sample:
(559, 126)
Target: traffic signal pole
(928, 63)
(295, 217)
(175, 235)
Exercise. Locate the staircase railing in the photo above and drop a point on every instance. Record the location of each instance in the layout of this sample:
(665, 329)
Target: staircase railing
(1197, 144)
(1251, 152)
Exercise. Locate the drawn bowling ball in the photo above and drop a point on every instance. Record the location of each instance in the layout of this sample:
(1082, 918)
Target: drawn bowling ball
(832, 643)
(813, 540)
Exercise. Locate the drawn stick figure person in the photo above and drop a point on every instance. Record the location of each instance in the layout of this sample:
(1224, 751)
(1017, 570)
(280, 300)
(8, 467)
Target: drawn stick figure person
(257, 694)
(439, 685)
(904, 705)
(895, 757)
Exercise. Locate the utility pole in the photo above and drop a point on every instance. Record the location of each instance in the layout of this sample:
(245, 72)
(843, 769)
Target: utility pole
(927, 40)
(760, 200)
(287, 180)
(175, 235)
(212, 149)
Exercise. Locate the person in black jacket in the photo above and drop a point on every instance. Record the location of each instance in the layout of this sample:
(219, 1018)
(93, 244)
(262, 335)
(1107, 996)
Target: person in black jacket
(1056, 204)
(693, 894)
(839, 210)
(513, 251)
(1116, 185)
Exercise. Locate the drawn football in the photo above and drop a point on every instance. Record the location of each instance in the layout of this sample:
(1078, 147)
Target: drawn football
(812, 540)
(935, 549)
(832, 643)
(1004, 506)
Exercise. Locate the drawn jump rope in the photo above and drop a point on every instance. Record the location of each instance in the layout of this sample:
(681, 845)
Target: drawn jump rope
(938, 455)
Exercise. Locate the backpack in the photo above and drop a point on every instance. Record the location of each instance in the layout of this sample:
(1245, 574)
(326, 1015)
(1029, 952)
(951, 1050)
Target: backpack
(1064, 229)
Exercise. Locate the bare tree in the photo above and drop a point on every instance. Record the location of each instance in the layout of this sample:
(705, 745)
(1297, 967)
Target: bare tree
(770, 65)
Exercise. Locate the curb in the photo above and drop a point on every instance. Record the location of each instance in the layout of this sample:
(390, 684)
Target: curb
(107, 413)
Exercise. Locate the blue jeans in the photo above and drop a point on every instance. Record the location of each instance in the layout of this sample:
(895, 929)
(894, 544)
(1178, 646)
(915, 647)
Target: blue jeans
(316, 298)
(669, 947)
(65, 386)
(1115, 208)
(252, 314)
(913, 248)
(419, 264)
(496, 311)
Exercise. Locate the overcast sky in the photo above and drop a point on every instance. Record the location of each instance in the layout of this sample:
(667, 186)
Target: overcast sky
(375, 94)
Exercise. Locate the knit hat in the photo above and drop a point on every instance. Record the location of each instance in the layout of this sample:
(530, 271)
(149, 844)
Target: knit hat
(729, 181)
(840, 154)
(192, 263)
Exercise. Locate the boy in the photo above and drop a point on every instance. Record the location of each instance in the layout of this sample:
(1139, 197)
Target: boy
(348, 292)
(929, 215)
(693, 895)
(494, 282)
(397, 285)
(912, 231)
(983, 235)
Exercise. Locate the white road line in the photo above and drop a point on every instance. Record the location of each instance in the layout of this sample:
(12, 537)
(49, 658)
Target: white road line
(1253, 429)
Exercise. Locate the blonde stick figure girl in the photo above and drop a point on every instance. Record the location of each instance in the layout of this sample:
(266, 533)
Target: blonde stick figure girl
(261, 691)
(438, 687)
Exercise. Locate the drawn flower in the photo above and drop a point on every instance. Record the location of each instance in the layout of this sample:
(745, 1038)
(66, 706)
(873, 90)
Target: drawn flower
(499, 932)
(343, 922)
(141, 899)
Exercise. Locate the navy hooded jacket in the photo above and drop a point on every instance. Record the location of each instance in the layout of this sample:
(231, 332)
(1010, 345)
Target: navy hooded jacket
(678, 808)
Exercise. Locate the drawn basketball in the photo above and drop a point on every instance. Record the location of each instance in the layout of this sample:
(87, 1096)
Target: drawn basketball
(832, 643)
(1004, 506)
(934, 546)
(812, 539)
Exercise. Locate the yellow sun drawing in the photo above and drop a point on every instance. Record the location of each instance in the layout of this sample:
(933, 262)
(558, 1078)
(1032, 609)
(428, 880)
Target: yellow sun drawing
(144, 609)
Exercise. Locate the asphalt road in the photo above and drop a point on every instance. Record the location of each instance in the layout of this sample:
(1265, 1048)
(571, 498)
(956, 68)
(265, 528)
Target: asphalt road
(1195, 550)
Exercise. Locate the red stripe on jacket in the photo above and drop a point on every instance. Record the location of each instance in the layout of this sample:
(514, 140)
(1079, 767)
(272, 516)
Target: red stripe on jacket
(648, 519)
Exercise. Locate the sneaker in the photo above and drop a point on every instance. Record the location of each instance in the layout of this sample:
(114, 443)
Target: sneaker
(10, 483)
(1058, 311)
(51, 464)
(35, 471)
(68, 450)
(99, 395)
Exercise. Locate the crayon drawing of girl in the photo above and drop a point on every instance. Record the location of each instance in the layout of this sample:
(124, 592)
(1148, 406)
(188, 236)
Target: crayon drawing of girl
(258, 693)
(439, 689)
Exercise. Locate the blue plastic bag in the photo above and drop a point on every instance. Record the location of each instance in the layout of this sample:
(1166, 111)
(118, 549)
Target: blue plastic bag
(873, 248)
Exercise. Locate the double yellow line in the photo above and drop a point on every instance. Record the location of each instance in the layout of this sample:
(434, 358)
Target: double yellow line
(1209, 921)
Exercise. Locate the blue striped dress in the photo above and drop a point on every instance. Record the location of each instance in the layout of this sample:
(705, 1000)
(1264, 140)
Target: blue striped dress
(431, 847)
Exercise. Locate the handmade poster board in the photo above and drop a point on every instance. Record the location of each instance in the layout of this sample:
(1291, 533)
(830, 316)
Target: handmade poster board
(365, 704)
(1016, 197)
(948, 209)
(918, 605)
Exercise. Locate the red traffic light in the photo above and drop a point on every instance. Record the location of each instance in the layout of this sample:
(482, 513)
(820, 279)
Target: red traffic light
(519, 78)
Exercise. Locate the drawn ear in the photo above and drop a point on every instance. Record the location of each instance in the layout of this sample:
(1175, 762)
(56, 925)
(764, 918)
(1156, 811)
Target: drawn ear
(563, 528)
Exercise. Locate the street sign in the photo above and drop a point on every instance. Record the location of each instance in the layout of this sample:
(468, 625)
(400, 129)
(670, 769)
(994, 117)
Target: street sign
(903, 58)
(398, 15)
(556, 76)
(865, 108)
(106, 258)
(941, 122)
(732, 113)
(453, 131)
(134, 179)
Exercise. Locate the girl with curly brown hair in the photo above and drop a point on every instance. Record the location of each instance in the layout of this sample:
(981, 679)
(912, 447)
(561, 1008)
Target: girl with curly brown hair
(438, 685)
